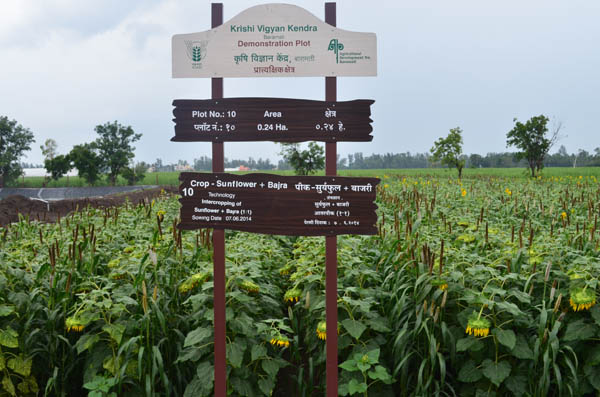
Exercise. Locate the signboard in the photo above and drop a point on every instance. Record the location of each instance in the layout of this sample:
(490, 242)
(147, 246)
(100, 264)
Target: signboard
(275, 204)
(272, 119)
(274, 40)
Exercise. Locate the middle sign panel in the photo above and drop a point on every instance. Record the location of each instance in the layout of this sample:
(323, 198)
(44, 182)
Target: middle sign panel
(272, 119)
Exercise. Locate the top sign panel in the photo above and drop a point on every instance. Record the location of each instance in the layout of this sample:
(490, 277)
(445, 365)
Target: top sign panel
(274, 40)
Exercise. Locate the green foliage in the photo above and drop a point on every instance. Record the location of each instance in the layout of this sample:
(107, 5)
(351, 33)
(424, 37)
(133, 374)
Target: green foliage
(58, 166)
(100, 386)
(304, 162)
(448, 150)
(49, 149)
(114, 147)
(87, 162)
(110, 303)
(135, 174)
(530, 138)
(14, 141)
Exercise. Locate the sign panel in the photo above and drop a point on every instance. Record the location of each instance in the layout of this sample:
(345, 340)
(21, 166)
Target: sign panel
(272, 119)
(274, 40)
(275, 204)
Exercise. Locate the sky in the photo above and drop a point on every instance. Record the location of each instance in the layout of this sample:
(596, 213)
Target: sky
(69, 65)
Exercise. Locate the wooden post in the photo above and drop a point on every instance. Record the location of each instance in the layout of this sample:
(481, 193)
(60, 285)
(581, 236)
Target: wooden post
(331, 314)
(219, 243)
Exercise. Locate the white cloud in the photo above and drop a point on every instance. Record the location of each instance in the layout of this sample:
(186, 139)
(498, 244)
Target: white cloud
(69, 65)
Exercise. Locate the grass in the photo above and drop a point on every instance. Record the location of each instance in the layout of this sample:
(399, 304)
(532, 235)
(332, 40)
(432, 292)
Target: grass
(171, 178)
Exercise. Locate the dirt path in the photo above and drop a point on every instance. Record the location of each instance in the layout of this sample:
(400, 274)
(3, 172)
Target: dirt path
(12, 206)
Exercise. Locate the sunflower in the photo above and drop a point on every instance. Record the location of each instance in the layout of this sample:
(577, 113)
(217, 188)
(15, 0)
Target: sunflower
(322, 330)
(292, 295)
(478, 326)
(582, 299)
(280, 341)
(440, 283)
(74, 324)
(249, 286)
(284, 271)
(193, 281)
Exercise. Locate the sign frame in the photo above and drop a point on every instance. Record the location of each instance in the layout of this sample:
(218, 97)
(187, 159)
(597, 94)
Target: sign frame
(277, 204)
(274, 40)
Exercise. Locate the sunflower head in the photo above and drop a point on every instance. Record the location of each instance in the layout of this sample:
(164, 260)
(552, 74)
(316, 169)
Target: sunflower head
(582, 298)
(322, 330)
(478, 326)
(280, 341)
(292, 295)
(440, 283)
(286, 270)
(249, 286)
(193, 281)
(74, 324)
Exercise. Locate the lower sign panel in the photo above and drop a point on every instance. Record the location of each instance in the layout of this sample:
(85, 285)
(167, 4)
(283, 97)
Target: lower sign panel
(275, 204)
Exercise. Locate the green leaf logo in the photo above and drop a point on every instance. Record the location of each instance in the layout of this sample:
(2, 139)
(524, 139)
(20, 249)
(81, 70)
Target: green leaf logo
(196, 54)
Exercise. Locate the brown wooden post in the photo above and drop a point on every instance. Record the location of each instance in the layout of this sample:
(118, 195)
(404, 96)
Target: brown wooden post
(219, 243)
(331, 314)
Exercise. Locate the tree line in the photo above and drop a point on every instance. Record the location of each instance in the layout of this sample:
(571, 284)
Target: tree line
(109, 155)
(533, 139)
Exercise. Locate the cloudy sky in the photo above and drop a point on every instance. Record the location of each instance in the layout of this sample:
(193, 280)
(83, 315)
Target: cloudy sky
(69, 65)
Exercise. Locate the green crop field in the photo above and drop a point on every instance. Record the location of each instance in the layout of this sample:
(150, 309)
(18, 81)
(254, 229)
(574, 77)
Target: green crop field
(480, 287)
(171, 178)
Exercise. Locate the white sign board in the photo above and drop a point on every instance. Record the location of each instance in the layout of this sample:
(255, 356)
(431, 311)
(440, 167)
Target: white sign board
(274, 40)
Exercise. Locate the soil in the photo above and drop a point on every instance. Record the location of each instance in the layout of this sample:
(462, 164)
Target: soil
(12, 206)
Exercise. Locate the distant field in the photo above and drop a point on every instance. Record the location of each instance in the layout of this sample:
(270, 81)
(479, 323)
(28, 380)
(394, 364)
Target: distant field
(171, 178)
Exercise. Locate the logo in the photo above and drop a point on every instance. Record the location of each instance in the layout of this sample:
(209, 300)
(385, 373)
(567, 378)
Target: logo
(335, 46)
(196, 52)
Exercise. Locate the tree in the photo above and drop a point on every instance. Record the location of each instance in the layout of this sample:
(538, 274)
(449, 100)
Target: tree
(49, 149)
(114, 147)
(475, 160)
(596, 158)
(14, 141)
(304, 162)
(531, 139)
(58, 166)
(135, 174)
(448, 150)
(87, 162)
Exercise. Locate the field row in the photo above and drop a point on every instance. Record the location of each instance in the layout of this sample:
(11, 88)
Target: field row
(485, 286)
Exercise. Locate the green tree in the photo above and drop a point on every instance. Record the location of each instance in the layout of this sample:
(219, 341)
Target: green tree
(49, 149)
(14, 141)
(114, 147)
(58, 166)
(304, 162)
(87, 162)
(530, 138)
(448, 151)
(135, 174)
